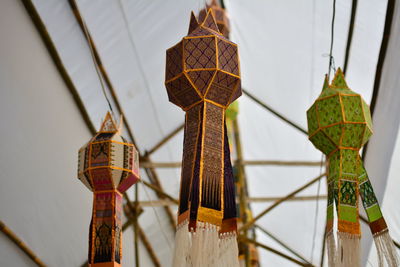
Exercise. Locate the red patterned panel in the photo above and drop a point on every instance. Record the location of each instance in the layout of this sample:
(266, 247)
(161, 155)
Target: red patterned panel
(101, 178)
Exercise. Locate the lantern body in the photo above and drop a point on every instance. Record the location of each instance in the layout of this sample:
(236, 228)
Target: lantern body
(203, 78)
(339, 118)
(339, 124)
(108, 166)
(203, 66)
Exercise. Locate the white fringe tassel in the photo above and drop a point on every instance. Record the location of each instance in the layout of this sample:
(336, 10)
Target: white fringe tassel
(228, 250)
(183, 243)
(204, 247)
(348, 254)
(331, 246)
(386, 250)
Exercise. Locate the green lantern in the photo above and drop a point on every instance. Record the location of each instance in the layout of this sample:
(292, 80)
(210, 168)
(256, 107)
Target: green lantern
(339, 124)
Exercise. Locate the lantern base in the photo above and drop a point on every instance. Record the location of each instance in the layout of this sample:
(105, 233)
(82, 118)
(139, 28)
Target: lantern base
(205, 246)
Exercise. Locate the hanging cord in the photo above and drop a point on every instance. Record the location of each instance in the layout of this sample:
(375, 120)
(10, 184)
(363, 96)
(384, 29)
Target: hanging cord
(156, 214)
(316, 209)
(331, 60)
(88, 38)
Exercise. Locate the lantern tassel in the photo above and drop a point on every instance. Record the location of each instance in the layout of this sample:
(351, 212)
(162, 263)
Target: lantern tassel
(228, 250)
(348, 250)
(182, 246)
(386, 250)
(331, 246)
(204, 247)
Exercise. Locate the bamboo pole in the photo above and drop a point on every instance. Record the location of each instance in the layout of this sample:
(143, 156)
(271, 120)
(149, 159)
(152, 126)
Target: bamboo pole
(242, 183)
(138, 230)
(20, 244)
(300, 198)
(152, 174)
(283, 255)
(168, 202)
(282, 244)
(148, 247)
(350, 34)
(166, 139)
(51, 48)
(160, 192)
(255, 99)
(278, 202)
(147, 164)
(135, 227)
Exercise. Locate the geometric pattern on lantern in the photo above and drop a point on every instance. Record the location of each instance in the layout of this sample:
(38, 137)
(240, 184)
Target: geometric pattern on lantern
(220, 17)
(339, 118)
(204, 66)
(108, 161)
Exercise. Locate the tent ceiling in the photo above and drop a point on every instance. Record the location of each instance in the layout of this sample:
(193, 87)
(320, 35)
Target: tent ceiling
(283, 47)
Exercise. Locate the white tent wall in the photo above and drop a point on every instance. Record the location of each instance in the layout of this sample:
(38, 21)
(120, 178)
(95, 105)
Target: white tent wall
(382, 158)
(41, 199)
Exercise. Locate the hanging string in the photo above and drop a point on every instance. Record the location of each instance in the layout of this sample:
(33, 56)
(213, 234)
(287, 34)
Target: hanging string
(96, 66)
(316, 209)
(331, 60)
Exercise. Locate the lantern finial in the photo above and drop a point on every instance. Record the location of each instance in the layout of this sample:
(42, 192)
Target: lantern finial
(209, 21)
(214, 3)
(193, 23)
(326, 83)
(339, 81)
(108, 125)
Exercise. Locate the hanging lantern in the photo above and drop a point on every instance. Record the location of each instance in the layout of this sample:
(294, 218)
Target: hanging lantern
(108, 166)
(202, 77)
(220, 16)
(339, 124)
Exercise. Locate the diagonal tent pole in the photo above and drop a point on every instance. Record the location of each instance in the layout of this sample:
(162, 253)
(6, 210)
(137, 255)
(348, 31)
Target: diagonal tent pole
(258, 101)
(19, 243)
(283, 255)
(280, 201)
(165, 139)
(281, 243)
(350, 34)
(299, 198)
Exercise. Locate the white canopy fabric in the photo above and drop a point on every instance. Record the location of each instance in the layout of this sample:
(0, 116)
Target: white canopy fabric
(283, 49)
